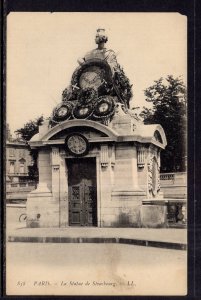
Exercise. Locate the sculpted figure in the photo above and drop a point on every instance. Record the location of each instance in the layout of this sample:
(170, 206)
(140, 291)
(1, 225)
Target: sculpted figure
(97, 85)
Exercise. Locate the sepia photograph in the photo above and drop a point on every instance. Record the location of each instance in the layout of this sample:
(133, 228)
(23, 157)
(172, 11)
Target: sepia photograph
(96, 154)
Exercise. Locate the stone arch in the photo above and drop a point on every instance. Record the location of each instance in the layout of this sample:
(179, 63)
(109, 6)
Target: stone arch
(77, 123)
(153, 133)
(159, 135)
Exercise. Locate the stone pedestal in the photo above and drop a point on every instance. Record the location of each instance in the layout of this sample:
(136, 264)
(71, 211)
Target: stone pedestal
(98, 159)
(42, 209)
(153, 214)
(127, 172)
(127, 207)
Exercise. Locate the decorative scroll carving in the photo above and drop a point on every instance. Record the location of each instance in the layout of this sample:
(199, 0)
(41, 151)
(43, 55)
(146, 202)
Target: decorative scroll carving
(159, 158)
(153, 175)
(104, 157)
(141, 155)
(150, 174)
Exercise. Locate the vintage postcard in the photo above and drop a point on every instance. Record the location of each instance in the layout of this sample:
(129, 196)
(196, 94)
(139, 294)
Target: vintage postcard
(96, 158)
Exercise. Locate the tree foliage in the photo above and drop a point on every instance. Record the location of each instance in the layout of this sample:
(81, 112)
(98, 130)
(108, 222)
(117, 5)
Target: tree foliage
(30, 128)
(168, 98)
(27, 132)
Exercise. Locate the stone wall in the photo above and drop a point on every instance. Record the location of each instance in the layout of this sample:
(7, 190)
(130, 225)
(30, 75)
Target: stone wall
(121, 195)
(44, 167)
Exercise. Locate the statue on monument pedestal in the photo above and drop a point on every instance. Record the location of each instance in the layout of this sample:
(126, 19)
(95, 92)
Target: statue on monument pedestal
(97, 85)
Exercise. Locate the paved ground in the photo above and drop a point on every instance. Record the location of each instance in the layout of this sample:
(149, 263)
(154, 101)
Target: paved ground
(110, 269)
(93, 269)
(163, 234)
(168, 238)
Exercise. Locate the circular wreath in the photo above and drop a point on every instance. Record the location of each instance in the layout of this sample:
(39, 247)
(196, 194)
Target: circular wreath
(103, 65)
(62, 111)
(87, 96)
(82, 112)
(104, 107)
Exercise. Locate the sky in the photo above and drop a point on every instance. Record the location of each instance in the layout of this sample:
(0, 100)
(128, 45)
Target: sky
(43, 49)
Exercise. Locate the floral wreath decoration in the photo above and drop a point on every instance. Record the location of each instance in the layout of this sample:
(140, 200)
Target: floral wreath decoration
(85, 106)
(105, 108)
(62, 111)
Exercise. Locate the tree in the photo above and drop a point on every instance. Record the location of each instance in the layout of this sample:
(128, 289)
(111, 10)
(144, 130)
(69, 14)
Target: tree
(27, 132)
(30, 128)
(168, 98)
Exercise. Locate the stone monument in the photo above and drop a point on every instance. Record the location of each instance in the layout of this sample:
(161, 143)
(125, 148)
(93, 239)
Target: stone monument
(97, 161)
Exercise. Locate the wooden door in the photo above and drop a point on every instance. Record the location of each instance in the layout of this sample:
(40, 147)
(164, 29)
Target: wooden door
(82, 192)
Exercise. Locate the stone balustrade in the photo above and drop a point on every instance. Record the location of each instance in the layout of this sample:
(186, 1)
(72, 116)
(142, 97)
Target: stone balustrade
(174, 185)
(164, 213)
(167, 177)
(173, 178)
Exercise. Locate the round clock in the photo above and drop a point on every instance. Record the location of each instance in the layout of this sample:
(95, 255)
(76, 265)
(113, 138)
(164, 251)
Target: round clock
(77, 144)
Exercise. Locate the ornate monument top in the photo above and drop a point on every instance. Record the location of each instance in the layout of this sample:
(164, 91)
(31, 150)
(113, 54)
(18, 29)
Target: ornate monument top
(101, 38)
(97, 86)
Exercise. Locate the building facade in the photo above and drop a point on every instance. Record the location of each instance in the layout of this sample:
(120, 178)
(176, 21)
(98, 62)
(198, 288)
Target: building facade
(97, 161)
(18, 160)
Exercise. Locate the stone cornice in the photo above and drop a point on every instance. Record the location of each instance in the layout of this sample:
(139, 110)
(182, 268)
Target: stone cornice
(143, 134)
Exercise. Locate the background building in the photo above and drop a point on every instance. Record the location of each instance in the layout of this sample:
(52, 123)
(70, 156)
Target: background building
(18, 160)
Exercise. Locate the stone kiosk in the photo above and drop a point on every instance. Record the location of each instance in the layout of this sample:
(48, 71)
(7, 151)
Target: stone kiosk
(97, 161)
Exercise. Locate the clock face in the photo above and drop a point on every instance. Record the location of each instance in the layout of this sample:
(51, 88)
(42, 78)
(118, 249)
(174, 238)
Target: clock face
(92, 77)
(77, 144)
